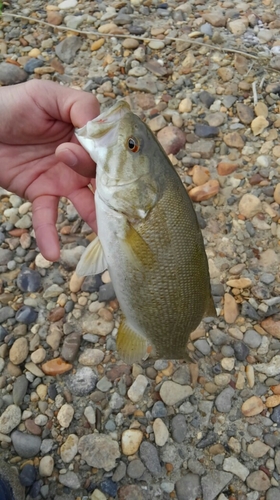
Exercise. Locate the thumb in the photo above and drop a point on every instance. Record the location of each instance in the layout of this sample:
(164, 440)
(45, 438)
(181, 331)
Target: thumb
(75, 157)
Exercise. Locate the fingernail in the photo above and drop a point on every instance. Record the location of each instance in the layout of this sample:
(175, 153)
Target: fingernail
(72, 160)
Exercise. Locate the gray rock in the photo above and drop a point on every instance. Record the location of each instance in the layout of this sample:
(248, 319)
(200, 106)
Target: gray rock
(67, 49)
(218, 337)
(213, 483)
(253, 339)
(9, 478)
(6, 312)
(188, 487)
(273, 494)
(70, 479)
(71, 346)
(82, 382)
(19, 389)
(149, 455)
(135, 469)
(202, 346)
(71, 256)
(26, 445)
(223, 400)
(106, 292)
(11, 74)
(179, 428)
(99, 451)
(119, 473)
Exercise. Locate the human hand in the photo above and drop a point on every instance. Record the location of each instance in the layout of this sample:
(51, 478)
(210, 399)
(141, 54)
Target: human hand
(37, 147)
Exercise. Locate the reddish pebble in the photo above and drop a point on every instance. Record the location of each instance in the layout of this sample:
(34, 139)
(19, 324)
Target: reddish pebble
(226, 168)
(32, 427)
(206, 191)
(56, 314)
(17, 232)
(56, 367)
(172, 139)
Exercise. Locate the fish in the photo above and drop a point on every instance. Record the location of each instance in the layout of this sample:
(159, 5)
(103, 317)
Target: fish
(148, 238)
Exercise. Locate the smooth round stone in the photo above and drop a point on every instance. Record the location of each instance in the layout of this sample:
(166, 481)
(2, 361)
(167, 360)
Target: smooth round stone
(26, 445)
(19, 351)
(267, 278)
(26, 315)
(131, 440)
(27, 475)
(32, 64)
(135, 469)
(156, 44)
(46, 466)
(109, 487)
(252, 338)
(82, 382)
(223, 400)
(179, 428)
(159, 410)
(241, 350)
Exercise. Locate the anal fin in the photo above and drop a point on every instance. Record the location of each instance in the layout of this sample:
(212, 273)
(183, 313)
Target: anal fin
(131, 346)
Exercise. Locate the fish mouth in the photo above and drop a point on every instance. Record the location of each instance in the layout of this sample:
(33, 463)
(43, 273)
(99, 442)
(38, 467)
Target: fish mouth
(103, 129)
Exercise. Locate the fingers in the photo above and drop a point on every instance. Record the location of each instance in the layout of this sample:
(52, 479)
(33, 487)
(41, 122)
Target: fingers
(83, 200)
(62, 103)
(44, 219)
(75, 157)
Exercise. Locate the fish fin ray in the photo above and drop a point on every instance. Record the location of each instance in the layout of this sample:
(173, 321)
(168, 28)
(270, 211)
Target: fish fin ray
(136, 248)
(131, 346)
(93, 260)
(210, 309)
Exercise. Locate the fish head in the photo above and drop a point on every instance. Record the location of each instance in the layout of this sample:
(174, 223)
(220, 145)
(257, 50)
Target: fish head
(127, 156)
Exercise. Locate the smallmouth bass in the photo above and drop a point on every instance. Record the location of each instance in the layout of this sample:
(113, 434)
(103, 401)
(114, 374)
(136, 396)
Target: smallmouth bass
(148, 238)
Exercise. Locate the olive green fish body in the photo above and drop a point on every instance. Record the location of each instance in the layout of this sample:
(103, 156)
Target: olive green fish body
(152, 244)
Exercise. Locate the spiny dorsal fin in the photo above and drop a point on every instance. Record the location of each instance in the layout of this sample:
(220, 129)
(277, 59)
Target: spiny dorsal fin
(93, 260)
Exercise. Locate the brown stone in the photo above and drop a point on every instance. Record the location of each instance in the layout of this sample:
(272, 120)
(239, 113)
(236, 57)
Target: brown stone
(272, 326)
(252, 406)
(277, 193)
(130, 492)
(230, 308)
(117, 371)
(273, 401)
(56, 314)
(172, 139)
(32, 427)
(200, 175)
(240, 64)
(54, 17)
(245, 113)
(234, 140)
(206, 191)
(226, 168)
(56, 366)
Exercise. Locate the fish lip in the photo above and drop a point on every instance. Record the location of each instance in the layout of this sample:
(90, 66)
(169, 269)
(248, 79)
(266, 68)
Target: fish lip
(103, 123)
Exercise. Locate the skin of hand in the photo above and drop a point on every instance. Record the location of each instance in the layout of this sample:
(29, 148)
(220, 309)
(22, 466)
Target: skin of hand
(37, 147)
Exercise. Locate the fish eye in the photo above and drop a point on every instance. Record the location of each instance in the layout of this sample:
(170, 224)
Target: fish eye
(133, 144)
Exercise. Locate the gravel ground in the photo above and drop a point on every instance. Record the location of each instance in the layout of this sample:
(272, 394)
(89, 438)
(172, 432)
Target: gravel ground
(75, 421)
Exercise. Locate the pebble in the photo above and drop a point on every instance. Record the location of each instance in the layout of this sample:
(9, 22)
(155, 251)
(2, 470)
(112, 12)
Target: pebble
(56, 366)
(69, 448)
(29, 280)
(82, 382)
(9, 419)
(46, 466)
(150, 458)
(213, 483)
(91, 357)
(172, 139)
(188, 486)
(67, 49)
(11, 74)
(135, 469)
(70, 480)
(231, 464)
(19, 389)
(179, 428)
(27, 475)
(160, 431)
(99, 451)
(65, 415)
(258, 481)
(223, 401)
(130, 441)
(26, 315)
(172, 393)
(252, 406)
(137, 389)
(26, 445)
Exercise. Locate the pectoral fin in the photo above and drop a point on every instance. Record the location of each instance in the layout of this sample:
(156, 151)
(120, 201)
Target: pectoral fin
(93, 260)
(131, 346)
(136, 248)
